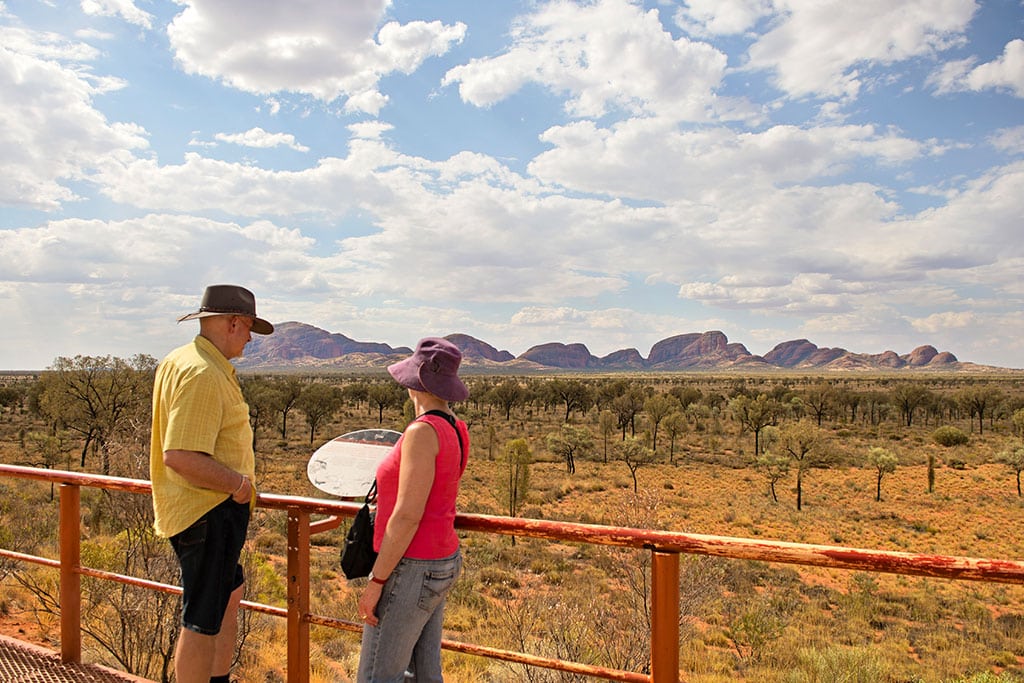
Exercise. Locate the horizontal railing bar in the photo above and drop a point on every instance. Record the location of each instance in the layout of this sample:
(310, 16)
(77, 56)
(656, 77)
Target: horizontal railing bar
(546, 662)
(34, 559)
(504, 655)
(833, 557)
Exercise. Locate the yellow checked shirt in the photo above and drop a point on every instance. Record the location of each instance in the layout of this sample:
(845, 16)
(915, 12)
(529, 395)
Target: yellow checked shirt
(197, 406)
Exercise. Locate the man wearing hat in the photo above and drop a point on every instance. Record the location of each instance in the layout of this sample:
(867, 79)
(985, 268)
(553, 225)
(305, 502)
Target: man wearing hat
(202, 467)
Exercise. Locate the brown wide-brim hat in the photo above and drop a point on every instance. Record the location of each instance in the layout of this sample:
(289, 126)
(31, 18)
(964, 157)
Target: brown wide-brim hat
(230, 300)
(433, 368)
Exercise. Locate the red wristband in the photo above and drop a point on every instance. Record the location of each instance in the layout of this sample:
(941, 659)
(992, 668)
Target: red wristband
(376, 580)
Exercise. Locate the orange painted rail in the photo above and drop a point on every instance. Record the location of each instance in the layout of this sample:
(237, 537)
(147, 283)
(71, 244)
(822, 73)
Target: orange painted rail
(665, 547)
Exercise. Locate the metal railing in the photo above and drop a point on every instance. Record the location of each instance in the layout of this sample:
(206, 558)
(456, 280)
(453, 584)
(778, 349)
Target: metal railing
(664, 546)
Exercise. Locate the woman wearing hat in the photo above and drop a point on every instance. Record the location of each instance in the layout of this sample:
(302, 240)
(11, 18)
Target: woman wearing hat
(418, 557)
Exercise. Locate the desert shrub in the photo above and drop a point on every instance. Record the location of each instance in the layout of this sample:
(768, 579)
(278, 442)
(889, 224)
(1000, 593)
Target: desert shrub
(949, 436)
(856, 665)
(988, 677)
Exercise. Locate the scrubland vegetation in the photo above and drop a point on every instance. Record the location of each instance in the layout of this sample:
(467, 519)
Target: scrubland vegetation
(924, 463)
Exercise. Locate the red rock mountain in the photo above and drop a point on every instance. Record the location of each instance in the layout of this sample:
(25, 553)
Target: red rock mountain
(298, 345)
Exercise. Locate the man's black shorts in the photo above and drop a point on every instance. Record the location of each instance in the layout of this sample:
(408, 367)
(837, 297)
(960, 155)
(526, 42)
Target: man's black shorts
(208, 552)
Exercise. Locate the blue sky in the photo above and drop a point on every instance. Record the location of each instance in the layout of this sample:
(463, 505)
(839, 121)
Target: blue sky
(609, 173)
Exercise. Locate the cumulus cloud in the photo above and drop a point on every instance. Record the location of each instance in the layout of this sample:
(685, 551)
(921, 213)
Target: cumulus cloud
(828, 49)
(48, 87)
(1009, 140)
(1004, 73)
(172, 250)
(125, 9)
(604, 56)
(721, 17)
(937, 322)
(688, 164)
(370, 130)
(261, 139)
(326, 50)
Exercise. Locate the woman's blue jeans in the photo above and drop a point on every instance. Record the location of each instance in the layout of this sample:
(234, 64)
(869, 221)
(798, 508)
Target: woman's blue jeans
(410, 613)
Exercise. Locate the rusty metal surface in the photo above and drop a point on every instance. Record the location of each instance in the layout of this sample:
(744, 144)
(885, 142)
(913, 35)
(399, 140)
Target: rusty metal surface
(27, 663)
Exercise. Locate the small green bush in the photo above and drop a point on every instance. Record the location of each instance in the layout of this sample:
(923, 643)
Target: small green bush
(949, 436)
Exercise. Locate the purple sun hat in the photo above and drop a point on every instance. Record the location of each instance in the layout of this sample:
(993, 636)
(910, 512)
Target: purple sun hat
(433, 368)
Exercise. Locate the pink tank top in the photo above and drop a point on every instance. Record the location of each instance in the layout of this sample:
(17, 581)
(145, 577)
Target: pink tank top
(435, 538)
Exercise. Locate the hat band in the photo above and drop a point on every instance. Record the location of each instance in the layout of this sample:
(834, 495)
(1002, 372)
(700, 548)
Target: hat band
(233, 311)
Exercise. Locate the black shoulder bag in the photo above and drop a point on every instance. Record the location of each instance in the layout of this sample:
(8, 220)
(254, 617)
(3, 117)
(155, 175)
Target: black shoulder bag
(358, 555)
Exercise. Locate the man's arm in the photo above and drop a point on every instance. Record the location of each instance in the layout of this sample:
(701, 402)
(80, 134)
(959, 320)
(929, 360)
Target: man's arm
(199, 469)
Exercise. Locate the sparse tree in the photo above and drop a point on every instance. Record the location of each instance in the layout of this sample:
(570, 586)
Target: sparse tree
(1017, 419)
(775, 467)
(568, 442)
(516, 482)
(48, 450)
(884, 462)
(657, 408)
(626, 407)
(674, 425)
(506, 395)
(318, 402)
(635, 454)
(908, 397)
(572, 393)
(977, 400)
(1013, 456)
(263, 398)
(607, 423)
(288, 391)
(95, 396)
(802, 441)
(383, 396)
(754, 414)
(819, 398)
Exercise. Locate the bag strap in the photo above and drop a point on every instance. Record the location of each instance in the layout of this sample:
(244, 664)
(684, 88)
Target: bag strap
(451, 420)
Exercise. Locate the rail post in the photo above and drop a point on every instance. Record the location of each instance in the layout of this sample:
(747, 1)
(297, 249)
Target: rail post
(70, 578)
(298, 595)
(664, 617)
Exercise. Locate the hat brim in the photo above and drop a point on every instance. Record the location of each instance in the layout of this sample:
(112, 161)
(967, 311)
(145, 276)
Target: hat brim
(407, 373)
(259, 325)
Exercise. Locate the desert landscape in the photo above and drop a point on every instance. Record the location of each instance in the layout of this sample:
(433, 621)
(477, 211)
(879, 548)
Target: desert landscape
(692, 452)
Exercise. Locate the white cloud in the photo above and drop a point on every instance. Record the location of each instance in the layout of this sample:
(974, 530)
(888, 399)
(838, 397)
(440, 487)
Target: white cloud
(99, 281)
(50, 131)
(604, 56)
(125, 9)
(261, 139)
(370, 130)
(1004, 73)
(721, 17)
(1010, 140)
(937, 322)
(323, 49)
(689, 164)
(827, 49)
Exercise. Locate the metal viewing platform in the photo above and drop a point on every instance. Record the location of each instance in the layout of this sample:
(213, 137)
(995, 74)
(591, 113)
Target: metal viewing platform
(27, 663)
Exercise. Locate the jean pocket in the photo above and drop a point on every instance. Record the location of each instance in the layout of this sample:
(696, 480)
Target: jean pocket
(436, 585)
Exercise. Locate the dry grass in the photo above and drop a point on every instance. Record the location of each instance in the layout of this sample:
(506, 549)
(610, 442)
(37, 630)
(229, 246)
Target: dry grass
(743, 621)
